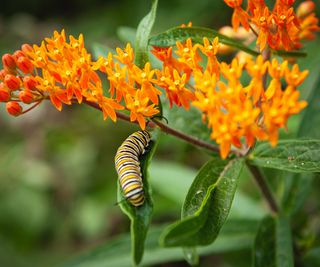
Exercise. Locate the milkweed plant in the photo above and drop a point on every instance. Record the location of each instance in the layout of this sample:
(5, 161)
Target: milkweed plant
(241, 82)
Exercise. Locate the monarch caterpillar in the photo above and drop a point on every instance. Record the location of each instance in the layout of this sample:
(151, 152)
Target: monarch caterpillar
(128, 166)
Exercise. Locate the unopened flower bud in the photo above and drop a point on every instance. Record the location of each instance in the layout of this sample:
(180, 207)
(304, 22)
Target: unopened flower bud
(30, 83)
(14, 108)
(8, 61)
(26, 96)
(288, 2)
(4, 94)
(26, 48)
(18, 54)
(25, 65)
(12, 82)
(3, 74)
(305, 9)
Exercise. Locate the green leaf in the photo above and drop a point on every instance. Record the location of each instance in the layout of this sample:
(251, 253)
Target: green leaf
(273, 243)
(180, 178)
(235, 235)
(289, 155)
(142, 37)
(140, 217)
(289, 54)
(206, 206)
(171, 36)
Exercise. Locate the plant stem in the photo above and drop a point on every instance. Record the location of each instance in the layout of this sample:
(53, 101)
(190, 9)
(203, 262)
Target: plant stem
(264, 188)
(165, 128)
(190, 139)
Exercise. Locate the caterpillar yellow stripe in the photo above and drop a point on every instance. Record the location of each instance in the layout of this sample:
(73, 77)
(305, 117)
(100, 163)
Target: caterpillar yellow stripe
(128, 166)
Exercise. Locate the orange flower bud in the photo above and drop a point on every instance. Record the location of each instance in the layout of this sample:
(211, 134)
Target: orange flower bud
(8, 61)
(288, 2)
(14, 108)
(233, 3)
(3, 74)
(30, 83)
(25, 65)
(4, 94)
(12, 82)
(26, 48)
(26, 96)
(305, 9)
(18, 54)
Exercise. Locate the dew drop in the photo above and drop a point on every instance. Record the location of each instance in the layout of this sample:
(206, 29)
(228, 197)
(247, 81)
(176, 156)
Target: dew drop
(199, 192)
(302, 163)
(268, 162)
(295, 166)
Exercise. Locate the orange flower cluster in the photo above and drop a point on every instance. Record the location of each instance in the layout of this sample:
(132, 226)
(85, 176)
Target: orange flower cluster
(237, 113)
(281, 27)
(64, 72)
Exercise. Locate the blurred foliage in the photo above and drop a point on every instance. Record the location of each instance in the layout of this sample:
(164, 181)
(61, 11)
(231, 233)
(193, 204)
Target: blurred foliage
(57, 178)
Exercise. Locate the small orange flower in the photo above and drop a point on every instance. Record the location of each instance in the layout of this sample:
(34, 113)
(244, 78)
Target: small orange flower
(125, 56)
(140, 108)
(145, 79)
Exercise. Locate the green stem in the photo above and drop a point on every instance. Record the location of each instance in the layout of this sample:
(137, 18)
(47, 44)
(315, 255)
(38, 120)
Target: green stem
(165, 128)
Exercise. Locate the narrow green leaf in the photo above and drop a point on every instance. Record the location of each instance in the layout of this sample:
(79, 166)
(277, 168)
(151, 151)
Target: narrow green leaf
(273, 243)
(207, 205)
(283, 53)
(142, 37)
(140, 217)
(171, 36)
(289, 155)
(235, 235)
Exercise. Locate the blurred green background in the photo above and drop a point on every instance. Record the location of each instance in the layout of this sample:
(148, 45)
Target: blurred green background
(57, 178)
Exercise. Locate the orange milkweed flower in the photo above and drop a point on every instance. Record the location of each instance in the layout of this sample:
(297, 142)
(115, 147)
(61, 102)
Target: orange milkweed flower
(125, 56)
(176, 86)
(239, 16)
(256, 69)
(145, 79)
(140, 107)
(280, 27)
(188, 54)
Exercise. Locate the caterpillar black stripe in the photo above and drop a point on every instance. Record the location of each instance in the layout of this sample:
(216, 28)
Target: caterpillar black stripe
(128, 166)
